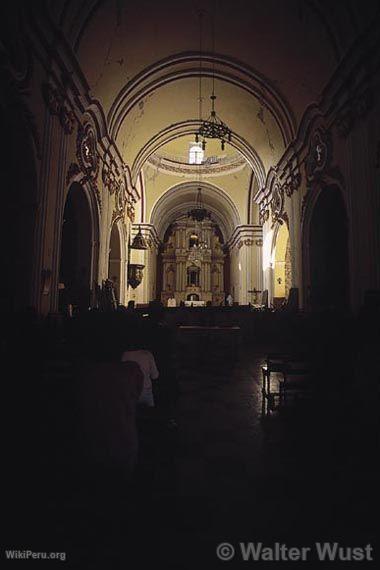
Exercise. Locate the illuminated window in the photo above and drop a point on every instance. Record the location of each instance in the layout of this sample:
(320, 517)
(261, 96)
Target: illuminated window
(196, 153)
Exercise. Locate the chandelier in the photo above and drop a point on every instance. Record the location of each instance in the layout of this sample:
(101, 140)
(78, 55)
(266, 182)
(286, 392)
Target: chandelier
(213, 127)
(199, 213)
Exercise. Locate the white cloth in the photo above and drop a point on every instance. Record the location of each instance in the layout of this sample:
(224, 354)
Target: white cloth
(172, 302)
(145, 360)
(230, 300)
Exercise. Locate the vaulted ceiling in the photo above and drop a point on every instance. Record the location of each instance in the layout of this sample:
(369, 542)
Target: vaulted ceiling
(271, 59)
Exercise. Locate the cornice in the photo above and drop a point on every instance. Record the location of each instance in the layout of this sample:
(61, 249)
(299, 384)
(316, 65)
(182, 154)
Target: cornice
(247, 234)
(149, 232)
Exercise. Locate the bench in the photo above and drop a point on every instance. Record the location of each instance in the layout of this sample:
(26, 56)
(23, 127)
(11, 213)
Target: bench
(293, 380)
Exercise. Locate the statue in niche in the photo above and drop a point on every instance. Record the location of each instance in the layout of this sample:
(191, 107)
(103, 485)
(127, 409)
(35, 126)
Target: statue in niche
(170, 245)
(170, 278)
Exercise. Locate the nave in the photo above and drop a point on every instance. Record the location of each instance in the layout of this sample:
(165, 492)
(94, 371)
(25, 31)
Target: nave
(226, 473)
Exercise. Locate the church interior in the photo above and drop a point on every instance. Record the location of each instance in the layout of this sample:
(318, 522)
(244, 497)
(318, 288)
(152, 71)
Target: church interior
(196, 183)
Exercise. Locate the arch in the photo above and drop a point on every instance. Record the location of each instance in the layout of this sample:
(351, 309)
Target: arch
(186, 65)
(326, 249)
(192, 297)
(115, 259)
(193, 276)
(180, 198)
(78, 256)
(188, 127)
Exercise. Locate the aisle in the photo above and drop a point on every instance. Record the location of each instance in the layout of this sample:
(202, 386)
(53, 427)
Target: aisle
(228, 476)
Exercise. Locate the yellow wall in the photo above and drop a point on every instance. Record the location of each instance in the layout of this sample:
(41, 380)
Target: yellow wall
(279, 265)
(236, 185)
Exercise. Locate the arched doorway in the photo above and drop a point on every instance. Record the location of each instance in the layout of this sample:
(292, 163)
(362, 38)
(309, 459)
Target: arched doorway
(75, 266)
(114, 260)
(328, 252)
(193, 276)
(281, 266)
(192, 297)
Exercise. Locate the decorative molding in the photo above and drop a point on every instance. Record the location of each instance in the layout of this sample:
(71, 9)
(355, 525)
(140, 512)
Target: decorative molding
(131, 212)
(319, 155)
(67, 119)
(292, 183)
(117, 215)
(263, 213)
(55, 101)
(88, 158)
(150, 234)
(226, 165)
(72, 172)
(52, 97)
(109, 178)
(87, 155)
(277, 203)
(244, 235)
(248, 242)
(121, 199)
(95, 189)
(281, 181)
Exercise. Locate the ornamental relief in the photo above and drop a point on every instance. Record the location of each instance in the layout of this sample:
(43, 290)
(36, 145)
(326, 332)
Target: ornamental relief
(292, 184)
(121, 196)
(116, 215)
(109, 179)
(75, 172)
(57, 105)
(131, 210)
(277, 203)
(95, 190)
(247, 241)
(319, 155)
(120, 202)
(263, 214)
(87, 155)
(115, 185)
(72, 172)
(88, 160)
(279, 187)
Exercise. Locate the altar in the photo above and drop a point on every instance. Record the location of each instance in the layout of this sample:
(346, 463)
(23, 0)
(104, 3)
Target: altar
(195, 303)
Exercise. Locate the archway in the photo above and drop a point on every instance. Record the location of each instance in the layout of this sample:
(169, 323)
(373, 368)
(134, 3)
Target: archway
(281, 266)
(76, 249)
(193, 277)
(328, 252)
(192, 297)
(114, 260)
